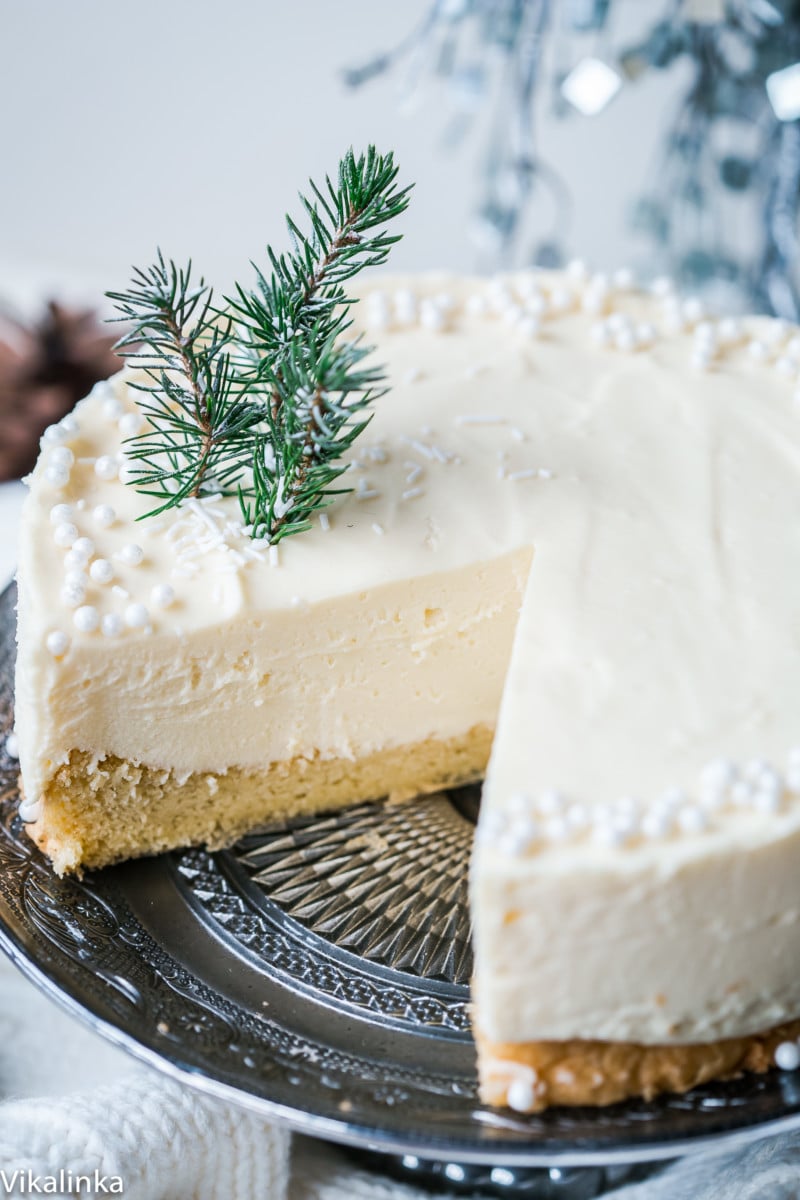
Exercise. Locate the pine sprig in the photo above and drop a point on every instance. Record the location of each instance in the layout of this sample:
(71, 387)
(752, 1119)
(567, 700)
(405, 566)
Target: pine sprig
(294, 325)
(264, 395)
(200, 420)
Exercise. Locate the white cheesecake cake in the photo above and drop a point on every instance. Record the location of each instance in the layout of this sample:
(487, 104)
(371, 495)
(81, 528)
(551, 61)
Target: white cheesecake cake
(570, 562)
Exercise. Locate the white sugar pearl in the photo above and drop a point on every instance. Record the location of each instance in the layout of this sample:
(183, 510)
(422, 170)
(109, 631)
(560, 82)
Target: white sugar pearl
(69, 424)
(513, 314)
(742, 793)
(112, 408)
(776, 331)
(521, 1095)
(57, 643)
(550, 802)
(519, 803)
(787, 1056)
(12, 745)
(625, 340)
(692, 819)
(693, 309)
(656, 824)
(530, 327)
(672, 797)
(101, 571)
(30, 811)
(405, 306)
(86, 618)
(623, 278)
(537, 305)
(83, 546)
(131, 554)
(662, 287)
(72, 595)
(431, 316)
(793, 779)
(162, 595)
(112, 625)
(767, 800)
(76, 578)
(128, 473)
(53, 435)
(577, 270)
(607, 836)
(62, 456)
(57, 476)
(785, 366)
(65, 535)
(595, 300)
(74, 560)
(136, 616)
(556, 829)
(646, 333)
(477, 305)
(104, 515)
(106, 467)
(757, 351)
(729, 330)
(577, 817)
(618, 321)
(130, 424)
(61, 514)
(701, 358)
(562, 300)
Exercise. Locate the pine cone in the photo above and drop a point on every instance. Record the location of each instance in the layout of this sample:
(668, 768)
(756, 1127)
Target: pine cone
(44, 371)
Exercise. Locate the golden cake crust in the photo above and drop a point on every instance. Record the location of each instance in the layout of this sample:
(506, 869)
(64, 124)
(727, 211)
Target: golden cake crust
(601, 1073)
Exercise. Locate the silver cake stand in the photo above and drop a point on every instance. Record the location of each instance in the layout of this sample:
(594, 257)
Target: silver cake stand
(318, 973)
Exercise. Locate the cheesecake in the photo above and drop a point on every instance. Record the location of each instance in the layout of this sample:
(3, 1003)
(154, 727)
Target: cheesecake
(569, 565)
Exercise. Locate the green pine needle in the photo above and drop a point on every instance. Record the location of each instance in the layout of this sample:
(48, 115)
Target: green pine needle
(265, 395)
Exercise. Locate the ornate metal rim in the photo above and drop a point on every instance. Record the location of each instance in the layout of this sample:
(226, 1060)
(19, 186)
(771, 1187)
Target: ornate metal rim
(110, 950)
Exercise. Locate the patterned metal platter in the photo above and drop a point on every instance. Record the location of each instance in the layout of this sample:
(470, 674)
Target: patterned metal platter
(318, 971)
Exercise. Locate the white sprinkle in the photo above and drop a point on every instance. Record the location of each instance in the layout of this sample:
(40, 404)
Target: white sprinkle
(104, 515)
(693, 310)
(65, 535)
(112, 625)
(162, 595)
(130, 424)
(106, 467)
(57, 476)
(545, 473)
(405, 306)
(414, 472)
(57, 643)
(72, 595)
(112, 408)
(607, 836)
(131, 554)
(431, 316)
(646, 333)
(324, 522)
(787, 1056)
(366, 492)
(29, 811)
(61, 514)
(54, 435)
(412, 375)
(529, 327)
(476, 305)
(480, 419)
(376, 528)
(136, 616)
(528, 473)
(550, 802)
(101, 571)
(274, 556)
(12, 745)
(521, 1095)
(692, 819)
(577, 270)
(412, 493)
(86, 618)
(662, 287)
(577, 818)
(518, 434)
(656, 824)
(120, 592)
(757, 351)
(625, 340)
(729, 330)
(300, 602)
(84, 547)
(62, 456)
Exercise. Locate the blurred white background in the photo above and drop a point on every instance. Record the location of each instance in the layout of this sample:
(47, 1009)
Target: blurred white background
(192, 126)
